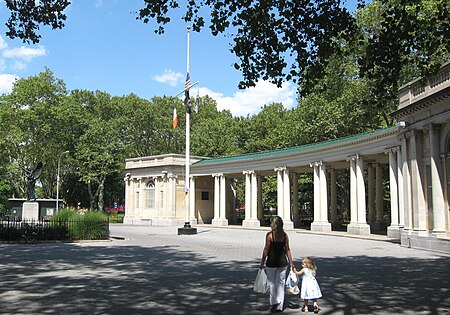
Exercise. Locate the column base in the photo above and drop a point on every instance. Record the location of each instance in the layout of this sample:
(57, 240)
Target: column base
(219, 222)
(288, 224)
(394, 231)
(251, 223)
(321, 226)
(358, 228)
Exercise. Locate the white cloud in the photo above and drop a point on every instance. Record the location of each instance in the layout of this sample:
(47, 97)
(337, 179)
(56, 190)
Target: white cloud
(2, 65)
(251, 100)
(24, 53)
(19, 65)
(3, 44)
(6, 82)
(169, 77)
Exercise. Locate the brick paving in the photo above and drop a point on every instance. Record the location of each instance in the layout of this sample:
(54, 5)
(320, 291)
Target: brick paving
(152, 270)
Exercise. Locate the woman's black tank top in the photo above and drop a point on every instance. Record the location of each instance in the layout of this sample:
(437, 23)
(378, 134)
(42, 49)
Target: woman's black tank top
(277, 254)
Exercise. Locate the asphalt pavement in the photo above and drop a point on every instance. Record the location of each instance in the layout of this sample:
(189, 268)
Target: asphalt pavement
(153, 270)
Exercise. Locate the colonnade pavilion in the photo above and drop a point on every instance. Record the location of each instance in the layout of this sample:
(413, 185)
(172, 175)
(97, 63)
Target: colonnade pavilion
(414, 208)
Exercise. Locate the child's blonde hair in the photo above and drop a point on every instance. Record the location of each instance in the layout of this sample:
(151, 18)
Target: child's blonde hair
(310, 264)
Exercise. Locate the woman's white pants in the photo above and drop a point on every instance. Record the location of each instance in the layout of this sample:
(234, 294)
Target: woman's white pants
(276, 278)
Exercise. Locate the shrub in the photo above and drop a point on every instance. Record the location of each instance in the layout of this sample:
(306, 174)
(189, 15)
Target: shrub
(89, 225)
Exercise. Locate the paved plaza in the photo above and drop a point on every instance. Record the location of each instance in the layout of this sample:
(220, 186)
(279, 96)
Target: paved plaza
(152, 270)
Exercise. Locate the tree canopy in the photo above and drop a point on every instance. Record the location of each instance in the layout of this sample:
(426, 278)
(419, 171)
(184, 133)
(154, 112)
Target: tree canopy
(291, 40)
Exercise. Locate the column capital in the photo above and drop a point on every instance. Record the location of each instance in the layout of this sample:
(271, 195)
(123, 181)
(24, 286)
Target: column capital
(316, 163)
(280, 168)
(392, 150)
(217, 175)
(249, 172)
(353, 157)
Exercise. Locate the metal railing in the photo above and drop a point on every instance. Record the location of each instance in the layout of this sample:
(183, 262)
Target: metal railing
(54, 230)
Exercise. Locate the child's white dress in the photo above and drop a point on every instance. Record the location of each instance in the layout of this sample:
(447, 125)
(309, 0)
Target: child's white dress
(310, 287)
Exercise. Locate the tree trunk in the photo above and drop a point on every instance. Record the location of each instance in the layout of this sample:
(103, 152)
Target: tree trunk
(101, 190)
(91, 197)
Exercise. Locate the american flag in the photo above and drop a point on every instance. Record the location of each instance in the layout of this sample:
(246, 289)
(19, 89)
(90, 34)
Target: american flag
(187, 99)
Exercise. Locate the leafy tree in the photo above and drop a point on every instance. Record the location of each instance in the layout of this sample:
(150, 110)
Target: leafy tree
(30, 132)
(27, 15)
(274, 40)
(399, 41)
(213, 133)
(269, 129)
(100, 149)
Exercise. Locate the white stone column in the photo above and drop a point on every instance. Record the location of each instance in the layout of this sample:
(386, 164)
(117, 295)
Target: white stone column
(401, 198)
(407, 199)
(286, 196)
(219, 200)
(437, 182)
(371, 192)
(296, 214)
(361, 190)
(353, 193)
(248, 195)
(280, 188)
(251, 202)
(420, 211)
(333, 199)
(129, 200)
(222, 206)
(216, 197)
(172, 193)
(141, 197)
(192, 196)
(393, 229)
(358, 197)
(320, 222)
(254, 198)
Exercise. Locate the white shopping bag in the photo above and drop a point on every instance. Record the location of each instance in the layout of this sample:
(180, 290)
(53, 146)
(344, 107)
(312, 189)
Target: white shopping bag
(291, 285)
(261, 285)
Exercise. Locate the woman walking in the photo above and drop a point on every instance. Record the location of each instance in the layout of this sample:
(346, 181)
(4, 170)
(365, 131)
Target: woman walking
(275, 256)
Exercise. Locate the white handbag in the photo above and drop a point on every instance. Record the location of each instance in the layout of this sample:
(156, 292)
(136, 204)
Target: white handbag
(261, 285)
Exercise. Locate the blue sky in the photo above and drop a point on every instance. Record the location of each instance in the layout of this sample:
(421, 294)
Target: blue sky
(103, 47)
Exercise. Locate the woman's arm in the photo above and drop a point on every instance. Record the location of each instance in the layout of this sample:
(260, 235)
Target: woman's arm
(265, 250)
(288, 250)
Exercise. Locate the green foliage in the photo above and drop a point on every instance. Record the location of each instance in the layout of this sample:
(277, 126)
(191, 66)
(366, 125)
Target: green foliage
(88, 225)
(274, 40)
(5, 193)
(399, 41)
(27, 16)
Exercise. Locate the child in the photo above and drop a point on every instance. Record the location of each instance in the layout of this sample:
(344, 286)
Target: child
(310, 288)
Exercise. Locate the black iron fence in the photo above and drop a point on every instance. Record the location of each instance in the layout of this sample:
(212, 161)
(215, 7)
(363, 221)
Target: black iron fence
(53, 230)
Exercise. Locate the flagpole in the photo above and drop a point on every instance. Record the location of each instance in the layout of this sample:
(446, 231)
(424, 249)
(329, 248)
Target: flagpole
(187, 229)
(188, 134)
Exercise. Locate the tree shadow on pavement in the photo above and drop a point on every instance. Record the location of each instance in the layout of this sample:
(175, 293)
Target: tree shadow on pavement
(72, 279)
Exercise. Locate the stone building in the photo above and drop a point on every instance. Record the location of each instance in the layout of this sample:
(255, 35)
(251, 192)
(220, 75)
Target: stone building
(416, 153)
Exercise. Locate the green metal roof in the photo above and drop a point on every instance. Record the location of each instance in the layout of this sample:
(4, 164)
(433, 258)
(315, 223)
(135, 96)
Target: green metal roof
(296, 149)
